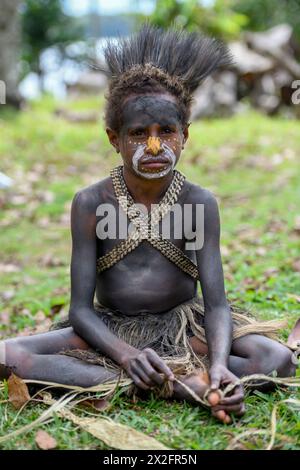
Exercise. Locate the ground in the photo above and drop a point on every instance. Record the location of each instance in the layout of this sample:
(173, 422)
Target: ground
(250, 162)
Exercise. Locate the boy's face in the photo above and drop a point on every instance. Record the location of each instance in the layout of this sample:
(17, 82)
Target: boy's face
(155, 116)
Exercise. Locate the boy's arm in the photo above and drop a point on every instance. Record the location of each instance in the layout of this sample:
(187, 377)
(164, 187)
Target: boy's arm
(83, 317)
(218, 319)
(142, 366)
(218, 322)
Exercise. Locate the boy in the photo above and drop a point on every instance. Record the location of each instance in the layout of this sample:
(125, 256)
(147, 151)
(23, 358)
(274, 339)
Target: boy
(148, 319)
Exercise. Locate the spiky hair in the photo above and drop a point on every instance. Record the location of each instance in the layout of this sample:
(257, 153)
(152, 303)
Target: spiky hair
(154, 60)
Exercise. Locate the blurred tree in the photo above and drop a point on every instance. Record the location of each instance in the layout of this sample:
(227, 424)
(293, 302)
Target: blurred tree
(264, 14)
(44, 25)
(9, 49)
(217, 17)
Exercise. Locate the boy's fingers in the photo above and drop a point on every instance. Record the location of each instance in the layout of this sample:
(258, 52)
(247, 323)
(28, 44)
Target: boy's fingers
(151, 373)
(139, 382)
(143, 363)
(166, 370)
(228, 409)
(239, 389)
(222, 416)
(242, 411)
(233, 400)
(214, 382)
(139, 372)
(237, 385)
(160, 365)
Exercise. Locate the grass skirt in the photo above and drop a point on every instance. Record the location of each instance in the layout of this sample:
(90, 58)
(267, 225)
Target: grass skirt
(168, 334)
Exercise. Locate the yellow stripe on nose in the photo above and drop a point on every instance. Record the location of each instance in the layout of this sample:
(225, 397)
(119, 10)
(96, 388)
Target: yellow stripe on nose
(153, 145)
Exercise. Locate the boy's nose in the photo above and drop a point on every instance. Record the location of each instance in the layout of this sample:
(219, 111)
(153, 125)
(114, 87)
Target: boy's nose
(153, 145)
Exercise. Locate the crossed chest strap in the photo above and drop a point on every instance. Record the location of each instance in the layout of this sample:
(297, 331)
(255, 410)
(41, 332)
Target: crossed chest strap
(144, 226)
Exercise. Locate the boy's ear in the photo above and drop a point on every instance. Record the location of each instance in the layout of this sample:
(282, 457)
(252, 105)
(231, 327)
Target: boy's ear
(113, 138)
(185, 132)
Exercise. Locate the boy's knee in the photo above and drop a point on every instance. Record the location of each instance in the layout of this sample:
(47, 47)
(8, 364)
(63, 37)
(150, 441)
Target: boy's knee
(17, 357)
(4, 370)
(287, 364)
(2, 353)
(273, 356)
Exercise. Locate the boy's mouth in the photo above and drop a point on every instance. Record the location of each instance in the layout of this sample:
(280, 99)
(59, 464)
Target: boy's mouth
(151, 163)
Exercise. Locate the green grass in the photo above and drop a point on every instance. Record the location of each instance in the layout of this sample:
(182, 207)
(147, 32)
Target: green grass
(250, 162)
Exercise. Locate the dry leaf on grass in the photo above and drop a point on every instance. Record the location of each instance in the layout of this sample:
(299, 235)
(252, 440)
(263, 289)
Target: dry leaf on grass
(270, 272)
(296, 228)
(9, 268)
(44, 441)
(114, 434)
(57, 308)
(96, 404)
(18, 393)
(296, 265)
(8, 294)
(294, 296)
(50, 261)
(5, 318)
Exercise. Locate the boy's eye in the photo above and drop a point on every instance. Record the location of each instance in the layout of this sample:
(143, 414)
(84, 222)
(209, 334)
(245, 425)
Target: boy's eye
(137, 132)
(167, 130)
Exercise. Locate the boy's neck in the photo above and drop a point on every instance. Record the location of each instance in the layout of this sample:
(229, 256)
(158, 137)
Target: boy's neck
(146, 191)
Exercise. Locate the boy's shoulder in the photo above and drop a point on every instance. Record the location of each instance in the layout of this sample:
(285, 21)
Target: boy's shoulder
(91, 196)
(196, 194)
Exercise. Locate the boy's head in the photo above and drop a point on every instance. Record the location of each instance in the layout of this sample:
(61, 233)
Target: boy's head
(153, 75)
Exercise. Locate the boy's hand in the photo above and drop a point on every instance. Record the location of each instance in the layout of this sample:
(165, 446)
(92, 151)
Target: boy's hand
(220, 377)
(146, 368)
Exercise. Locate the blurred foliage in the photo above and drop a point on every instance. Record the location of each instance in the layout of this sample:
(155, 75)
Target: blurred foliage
(218, 19)
(264, 14)
(44, 24)
(227, 18)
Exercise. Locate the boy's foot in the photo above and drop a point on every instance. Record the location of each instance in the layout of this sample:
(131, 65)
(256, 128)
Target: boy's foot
(294, 337)
(199, 383)
(197, 346)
